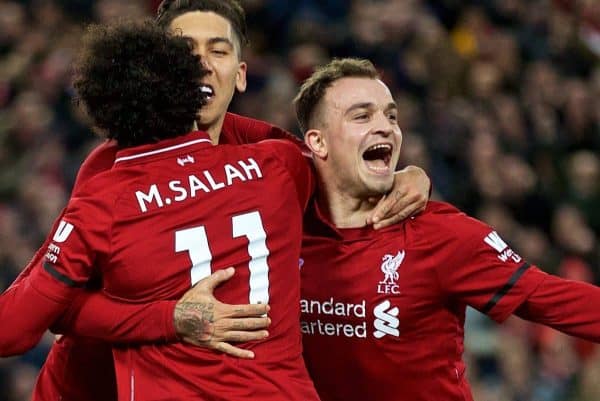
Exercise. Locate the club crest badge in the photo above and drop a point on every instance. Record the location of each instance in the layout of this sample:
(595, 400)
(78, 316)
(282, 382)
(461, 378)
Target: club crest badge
(389, 268)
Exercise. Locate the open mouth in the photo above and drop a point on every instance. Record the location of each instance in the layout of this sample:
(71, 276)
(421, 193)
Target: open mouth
(208, 90)
(378, 157)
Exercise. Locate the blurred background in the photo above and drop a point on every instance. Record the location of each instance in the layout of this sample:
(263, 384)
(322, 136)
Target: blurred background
(499, 101)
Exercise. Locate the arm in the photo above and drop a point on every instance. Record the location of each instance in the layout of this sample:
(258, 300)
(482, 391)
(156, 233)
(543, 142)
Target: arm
(565, 305)
(411, 191)
(197, 318)
(474, 266)
(37, 257)
(95, 315)
(29, 308)
(35, 290)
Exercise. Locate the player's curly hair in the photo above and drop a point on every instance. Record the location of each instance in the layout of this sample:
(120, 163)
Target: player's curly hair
(139, 83)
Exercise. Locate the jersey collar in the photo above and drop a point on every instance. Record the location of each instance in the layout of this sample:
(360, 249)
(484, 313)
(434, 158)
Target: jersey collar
(164, 147)
(317, 223)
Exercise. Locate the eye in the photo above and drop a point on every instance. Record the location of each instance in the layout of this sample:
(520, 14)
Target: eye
(393, 117)
(361, 117)
(219, 52)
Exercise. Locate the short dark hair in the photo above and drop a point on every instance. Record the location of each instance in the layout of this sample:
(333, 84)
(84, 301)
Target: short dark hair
(231, 10)
(138, 82)
(313, 89)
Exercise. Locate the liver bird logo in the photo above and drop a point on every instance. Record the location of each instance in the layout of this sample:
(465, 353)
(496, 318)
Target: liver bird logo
(389, 267)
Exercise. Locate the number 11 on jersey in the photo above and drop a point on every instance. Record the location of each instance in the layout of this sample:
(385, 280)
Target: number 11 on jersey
(195, 242)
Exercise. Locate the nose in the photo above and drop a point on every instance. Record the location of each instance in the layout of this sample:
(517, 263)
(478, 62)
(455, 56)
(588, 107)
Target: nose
(205, 63)
(383, 126)
(201, 52)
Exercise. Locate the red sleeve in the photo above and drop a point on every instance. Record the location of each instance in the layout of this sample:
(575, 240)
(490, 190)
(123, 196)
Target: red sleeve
(299, 167)
(476, 267)
(28, 309)
(95, 315)
(84, 238)
(37, 257)
(31, 306)
(565, 305)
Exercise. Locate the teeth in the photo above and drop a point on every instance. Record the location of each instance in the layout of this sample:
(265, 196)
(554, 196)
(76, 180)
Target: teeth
(380, 146)
(206, 89)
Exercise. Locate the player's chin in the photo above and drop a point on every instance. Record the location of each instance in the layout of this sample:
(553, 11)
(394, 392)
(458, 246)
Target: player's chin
(377, 186)
(208, 115)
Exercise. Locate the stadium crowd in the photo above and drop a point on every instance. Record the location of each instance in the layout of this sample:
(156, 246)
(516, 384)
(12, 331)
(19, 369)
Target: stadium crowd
(499, 101)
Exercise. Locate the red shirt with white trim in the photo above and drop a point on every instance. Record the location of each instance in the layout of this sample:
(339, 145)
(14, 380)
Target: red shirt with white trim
(81, 369)
(190, 208)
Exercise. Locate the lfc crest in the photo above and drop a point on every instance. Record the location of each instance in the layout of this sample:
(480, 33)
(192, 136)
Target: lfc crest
(389, 267)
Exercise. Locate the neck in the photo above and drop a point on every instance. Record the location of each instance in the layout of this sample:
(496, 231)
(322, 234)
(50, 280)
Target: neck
(344, 210)
(213, 130)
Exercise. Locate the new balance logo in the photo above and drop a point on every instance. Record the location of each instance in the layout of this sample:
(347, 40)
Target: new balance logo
(504, 252)
(183, 160)
(63, 232)
(386, 320)
(494, 240)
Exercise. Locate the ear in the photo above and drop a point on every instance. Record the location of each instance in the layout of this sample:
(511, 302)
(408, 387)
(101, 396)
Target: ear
(240, 78)
(316, 141)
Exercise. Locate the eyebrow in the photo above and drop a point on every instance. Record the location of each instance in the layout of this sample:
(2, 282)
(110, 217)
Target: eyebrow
(391, 106)
(213, 41)
(369, 105)
(355, 106)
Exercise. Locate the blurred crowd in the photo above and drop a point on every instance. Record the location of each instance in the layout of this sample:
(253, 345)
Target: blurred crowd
(499, 102)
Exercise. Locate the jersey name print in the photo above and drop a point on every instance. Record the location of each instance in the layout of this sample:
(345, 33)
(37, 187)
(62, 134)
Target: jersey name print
(206, 181)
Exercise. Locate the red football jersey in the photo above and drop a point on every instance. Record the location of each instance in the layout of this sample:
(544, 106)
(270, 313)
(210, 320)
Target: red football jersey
(383, 311)
(190, 208)
(81, 369)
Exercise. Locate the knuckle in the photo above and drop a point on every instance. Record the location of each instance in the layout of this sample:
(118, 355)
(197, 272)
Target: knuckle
(399, 194)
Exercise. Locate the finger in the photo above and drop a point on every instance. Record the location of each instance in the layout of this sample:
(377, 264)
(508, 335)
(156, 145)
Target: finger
(215, 279)
(380, 208)
(245, 336)
(387, 222)
(393, 205)
(410, 210)
(234, 351)
(242, 324)
(250, 310)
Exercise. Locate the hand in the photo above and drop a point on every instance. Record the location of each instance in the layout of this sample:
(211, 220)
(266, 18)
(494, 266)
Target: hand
(202, 320)
(408, 197)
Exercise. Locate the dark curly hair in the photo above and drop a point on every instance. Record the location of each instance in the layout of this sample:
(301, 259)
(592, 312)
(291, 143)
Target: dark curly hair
(139, 83)
(231, 10)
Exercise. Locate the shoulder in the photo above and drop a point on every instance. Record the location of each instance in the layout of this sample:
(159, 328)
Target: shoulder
(101, 158)
(442, 219)
(280, 145)
(282, 150)
(439, 213)
(239, 129)
(236, 120)
(97, 191)
(249, 130)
